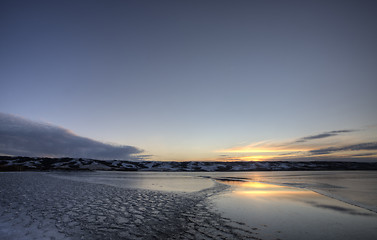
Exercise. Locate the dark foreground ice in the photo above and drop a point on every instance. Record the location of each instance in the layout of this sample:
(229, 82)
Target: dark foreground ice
(147, 205)
(41, 206)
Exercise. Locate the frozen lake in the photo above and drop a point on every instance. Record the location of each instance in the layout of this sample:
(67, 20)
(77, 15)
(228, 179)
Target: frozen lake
(149, 205)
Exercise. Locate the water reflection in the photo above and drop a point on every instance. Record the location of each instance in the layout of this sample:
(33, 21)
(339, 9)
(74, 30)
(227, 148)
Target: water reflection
(354, 187)
(351, 211)
(276, 211)
(259, 190)
(254, 189)
(257, 185)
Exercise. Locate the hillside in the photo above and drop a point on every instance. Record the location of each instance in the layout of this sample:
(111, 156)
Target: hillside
(47, 164)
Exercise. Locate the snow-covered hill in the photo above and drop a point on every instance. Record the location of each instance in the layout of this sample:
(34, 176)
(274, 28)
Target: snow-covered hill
(26, 163)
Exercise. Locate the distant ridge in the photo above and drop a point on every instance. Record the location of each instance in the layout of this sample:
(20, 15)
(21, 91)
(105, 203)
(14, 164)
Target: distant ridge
(8, 163)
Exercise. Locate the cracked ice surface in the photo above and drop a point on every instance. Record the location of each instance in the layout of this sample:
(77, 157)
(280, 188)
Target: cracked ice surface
(39, 206)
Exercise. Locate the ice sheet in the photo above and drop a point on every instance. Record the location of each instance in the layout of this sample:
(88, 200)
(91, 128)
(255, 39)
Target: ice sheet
(280, 212)
(40, 206)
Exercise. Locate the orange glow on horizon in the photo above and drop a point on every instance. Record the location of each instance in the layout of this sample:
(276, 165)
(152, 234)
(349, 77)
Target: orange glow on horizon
(256, 158)
(250, 149)
(269, 149)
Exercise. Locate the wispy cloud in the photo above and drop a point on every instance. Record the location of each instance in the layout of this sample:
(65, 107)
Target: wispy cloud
(305, 148)
(323, 135)
(266, 147)
(19, 136)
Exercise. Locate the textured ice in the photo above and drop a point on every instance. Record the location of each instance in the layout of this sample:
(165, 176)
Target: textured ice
(39, 206)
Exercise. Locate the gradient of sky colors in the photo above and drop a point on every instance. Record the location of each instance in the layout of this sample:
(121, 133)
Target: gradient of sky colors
(194, 80)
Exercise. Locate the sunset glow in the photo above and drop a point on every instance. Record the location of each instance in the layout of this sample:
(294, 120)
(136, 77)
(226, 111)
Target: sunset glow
(148, 119)
(311, 147)
(189, 81)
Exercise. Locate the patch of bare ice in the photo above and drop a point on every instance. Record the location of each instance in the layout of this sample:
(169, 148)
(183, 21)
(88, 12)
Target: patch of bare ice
(38, 206)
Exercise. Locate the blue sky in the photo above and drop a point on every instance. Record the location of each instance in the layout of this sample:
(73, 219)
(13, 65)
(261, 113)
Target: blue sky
(187, 80)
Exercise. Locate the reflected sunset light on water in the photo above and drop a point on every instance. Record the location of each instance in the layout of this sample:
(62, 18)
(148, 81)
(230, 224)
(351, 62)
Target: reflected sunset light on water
(260, 189)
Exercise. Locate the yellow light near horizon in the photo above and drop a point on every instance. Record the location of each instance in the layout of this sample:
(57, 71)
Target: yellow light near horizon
(255, 158)
(261, 150)
(265, 149)
(247, 150)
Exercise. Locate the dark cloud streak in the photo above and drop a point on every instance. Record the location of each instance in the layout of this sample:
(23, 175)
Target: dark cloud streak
(323, 135)
(365, 154)
(19, 136)
(354, 147)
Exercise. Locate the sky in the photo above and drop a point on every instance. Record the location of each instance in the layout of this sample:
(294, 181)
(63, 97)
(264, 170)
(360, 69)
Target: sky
(189, 80)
